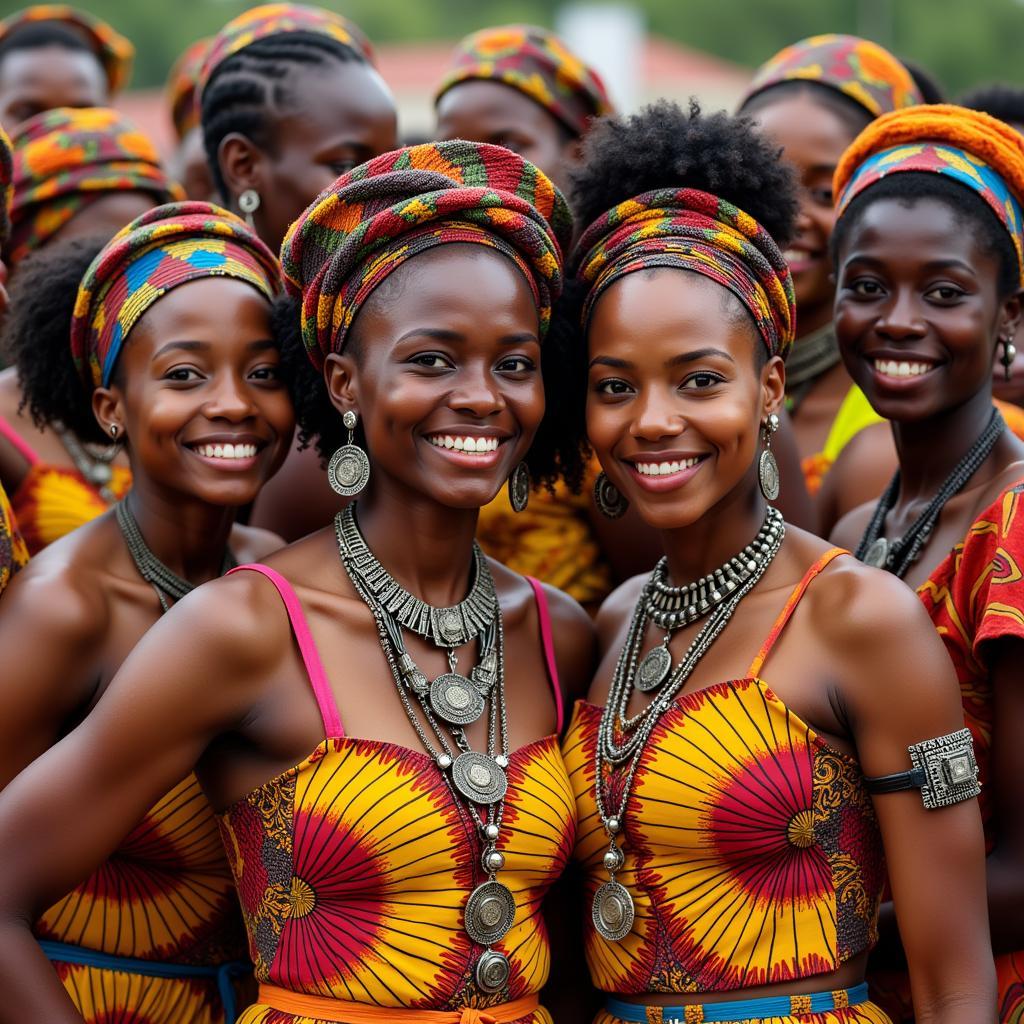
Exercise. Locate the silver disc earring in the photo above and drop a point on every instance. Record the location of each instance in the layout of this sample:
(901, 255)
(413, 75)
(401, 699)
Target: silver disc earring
(249, 203)
(608, 498)
(349, 468)
(519, 488)
(1007, 356)
(767, 467)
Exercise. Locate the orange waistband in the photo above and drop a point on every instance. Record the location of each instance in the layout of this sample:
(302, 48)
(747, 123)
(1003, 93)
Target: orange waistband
(344, 1012)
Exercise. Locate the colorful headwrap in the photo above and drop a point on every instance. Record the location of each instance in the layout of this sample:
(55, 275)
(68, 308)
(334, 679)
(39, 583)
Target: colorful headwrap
(377, 216)
(115, 53)
(973, 148)
(281, 19)
(6, 186)
(858, 68)
(165, 247)
(693, 230)
(65, 159)
(181, 87)
(537, 63)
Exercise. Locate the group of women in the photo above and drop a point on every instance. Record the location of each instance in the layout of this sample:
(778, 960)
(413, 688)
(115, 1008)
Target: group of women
(556, 362)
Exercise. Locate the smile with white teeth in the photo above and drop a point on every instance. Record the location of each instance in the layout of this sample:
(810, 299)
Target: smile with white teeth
(892, 368)
(480, 445)
(227, 451)
(664, 468)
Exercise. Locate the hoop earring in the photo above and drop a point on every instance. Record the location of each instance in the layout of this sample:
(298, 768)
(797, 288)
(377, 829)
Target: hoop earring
(767, 467)
(519, 488)
(1007, 356)
(349, 468)
(608, 498)
(249, 203)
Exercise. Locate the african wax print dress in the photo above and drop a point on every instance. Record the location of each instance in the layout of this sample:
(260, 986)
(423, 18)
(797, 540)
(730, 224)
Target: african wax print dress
(54, 500)
(752, 854)
(13, 553)
(976, 596)
(354, 868)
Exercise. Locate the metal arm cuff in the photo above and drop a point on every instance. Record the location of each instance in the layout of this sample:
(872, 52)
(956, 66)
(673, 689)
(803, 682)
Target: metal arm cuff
(944, 770)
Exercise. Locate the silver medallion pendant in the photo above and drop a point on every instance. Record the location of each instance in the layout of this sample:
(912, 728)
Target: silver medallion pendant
(478, 778)
(490, 911)
(492, 971)
(613, 911)
(455, 699)
(878, 554)
(654, 669)
(448, 626)
(768, 474)
(348, 470)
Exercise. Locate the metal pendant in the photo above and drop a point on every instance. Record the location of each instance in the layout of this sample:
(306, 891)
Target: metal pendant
(492, 971)
(654, 669)
(768, 475)
(613, 911)
(349, 470)
(455, 699)
(478, 778)
(490, 911)
(878, 554)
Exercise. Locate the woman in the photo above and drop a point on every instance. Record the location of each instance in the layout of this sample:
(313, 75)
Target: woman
(188, 163)
(290, 99)
(77, 174)
(171, 354)
(392, 873)
(732, 822)
(13, 553)
(929, 286)
(52, 55)
(814, 98)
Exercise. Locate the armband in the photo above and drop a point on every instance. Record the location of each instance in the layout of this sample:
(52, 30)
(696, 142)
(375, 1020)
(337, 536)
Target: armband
(944, 770)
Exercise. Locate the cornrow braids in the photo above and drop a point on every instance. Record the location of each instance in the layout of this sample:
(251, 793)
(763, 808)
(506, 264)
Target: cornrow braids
(250, 88)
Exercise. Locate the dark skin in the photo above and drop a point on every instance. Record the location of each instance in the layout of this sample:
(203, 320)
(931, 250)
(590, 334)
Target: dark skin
(199, 368)
(456, 352)
(45, 77)
(913, 283)
(188, 166)
(672, 378)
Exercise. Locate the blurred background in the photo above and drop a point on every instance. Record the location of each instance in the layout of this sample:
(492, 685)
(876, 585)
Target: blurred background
(645, 48)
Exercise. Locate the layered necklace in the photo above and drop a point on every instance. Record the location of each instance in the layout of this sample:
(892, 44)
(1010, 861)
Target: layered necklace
(93, 461)
(169, 586)
(811, 357)
(449, 703)
(621, 739)
(899, 555)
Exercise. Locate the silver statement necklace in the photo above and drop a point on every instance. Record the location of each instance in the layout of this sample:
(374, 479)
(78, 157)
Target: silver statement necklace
(621, 740)
(476, 778)
(93, 461)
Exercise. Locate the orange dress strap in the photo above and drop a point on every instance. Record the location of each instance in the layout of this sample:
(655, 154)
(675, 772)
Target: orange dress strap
(794, 599)
(285, 1001)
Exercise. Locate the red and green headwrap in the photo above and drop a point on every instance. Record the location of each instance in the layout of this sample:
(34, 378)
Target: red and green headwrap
(862, 70)
(114, 52)
(537, 63)
(281, 19)
(164, 248)
(377, 216)
(65, 159)
(6, 186)
(693, 230)
(181, 87)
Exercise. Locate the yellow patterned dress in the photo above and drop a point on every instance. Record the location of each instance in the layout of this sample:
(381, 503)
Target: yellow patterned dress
(13, 553)
(753, 857)
(354, 868)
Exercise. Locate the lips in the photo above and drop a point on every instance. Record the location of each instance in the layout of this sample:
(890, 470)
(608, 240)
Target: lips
(800, 260)
(664, 472)
(465, 443)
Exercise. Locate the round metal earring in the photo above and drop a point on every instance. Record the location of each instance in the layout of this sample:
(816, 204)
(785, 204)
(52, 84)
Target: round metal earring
(608, 498)
(767, 467)
(249, 203)
(349, 468)
(519, 488)
(1007, 356)
(114, 430)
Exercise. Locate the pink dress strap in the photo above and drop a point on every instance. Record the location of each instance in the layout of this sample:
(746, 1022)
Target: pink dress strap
(548, 643)
(20, 445)
(307, 648)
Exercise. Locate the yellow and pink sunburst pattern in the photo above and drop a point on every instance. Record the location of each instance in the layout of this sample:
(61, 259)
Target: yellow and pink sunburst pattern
(752, 851)
(354, 868)
(13, 553)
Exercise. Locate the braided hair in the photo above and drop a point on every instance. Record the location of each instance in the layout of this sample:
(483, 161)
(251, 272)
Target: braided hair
(248, 89)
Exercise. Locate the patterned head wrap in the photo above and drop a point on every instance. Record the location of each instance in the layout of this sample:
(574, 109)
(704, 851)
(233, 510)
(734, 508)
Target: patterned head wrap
(281, 19)
(373, 219)
(865, 72)
(181, 87)
(115, 53)
(65, 159)
(693, 230)
(165, 247)
(537, 63)
(973, 148)
(6, 186)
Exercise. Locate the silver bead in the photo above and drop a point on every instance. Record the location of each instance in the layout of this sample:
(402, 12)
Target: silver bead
(444, 761)
(491, 831)
(494, 860)
(612, 824)
(501, 761)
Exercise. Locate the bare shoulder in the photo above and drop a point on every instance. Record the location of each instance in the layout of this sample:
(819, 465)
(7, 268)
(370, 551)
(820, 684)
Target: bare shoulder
(617, 608)
(848, 531)
(253, 544)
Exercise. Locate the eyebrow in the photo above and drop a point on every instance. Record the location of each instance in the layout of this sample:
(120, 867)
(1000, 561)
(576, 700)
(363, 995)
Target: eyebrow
(930, 265)
(682, 358)
(440, 334)
(260, 345)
